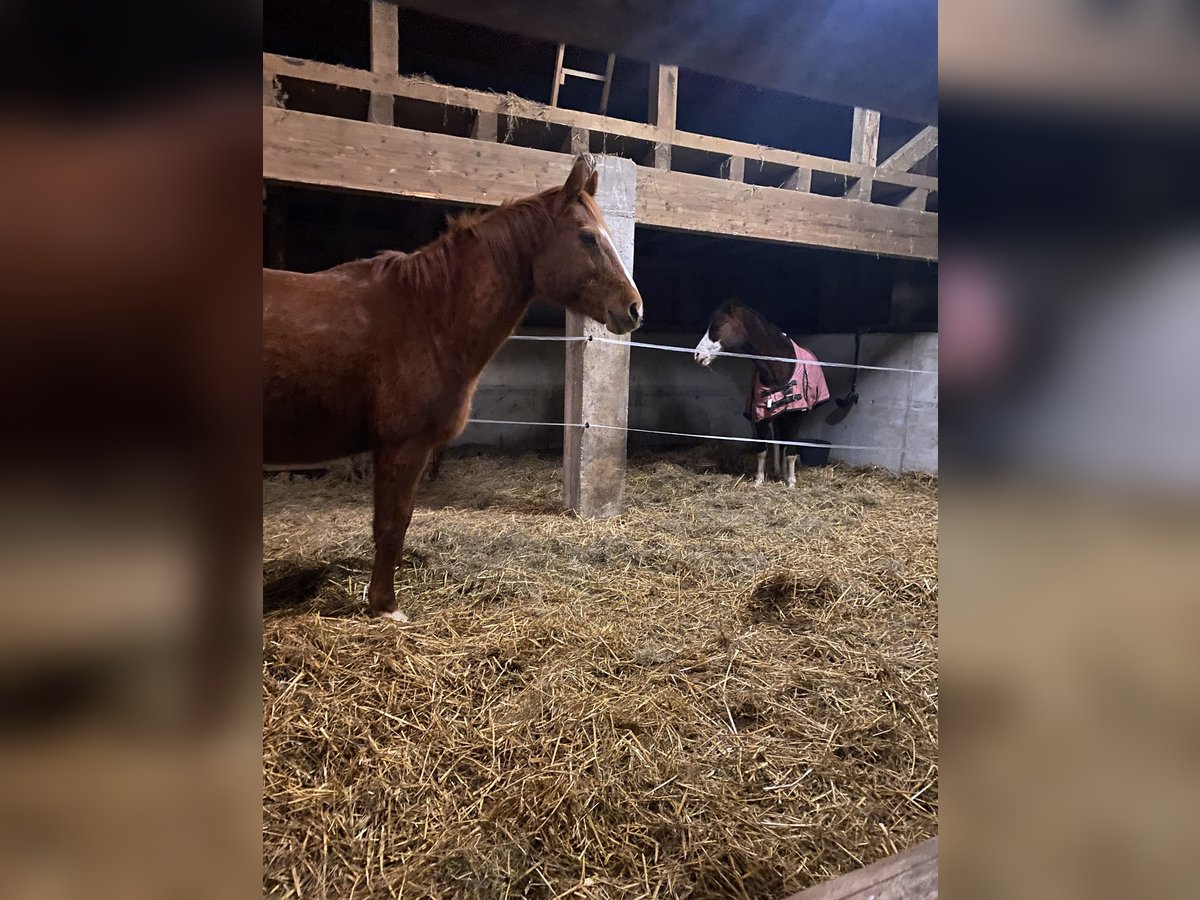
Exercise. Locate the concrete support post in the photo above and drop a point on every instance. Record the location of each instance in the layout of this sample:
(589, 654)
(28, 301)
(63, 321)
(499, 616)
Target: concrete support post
(597, 374)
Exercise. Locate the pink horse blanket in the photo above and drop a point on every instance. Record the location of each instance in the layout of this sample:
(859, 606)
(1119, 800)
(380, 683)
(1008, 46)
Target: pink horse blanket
(802, 392)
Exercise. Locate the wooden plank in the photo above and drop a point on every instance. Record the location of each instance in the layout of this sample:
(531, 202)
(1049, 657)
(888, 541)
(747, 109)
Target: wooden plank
(734, 169)
(358, 156)
(864, 149)
(579, 73)
(664, 99)
(510, 105)
(913, 151)
(911, 875)
(685, 202)
(385, 57)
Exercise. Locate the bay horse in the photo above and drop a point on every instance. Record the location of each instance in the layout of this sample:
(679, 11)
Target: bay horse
(782, 392)
(383, 354)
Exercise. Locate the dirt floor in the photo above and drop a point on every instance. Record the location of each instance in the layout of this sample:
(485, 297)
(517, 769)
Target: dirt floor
(727, 691)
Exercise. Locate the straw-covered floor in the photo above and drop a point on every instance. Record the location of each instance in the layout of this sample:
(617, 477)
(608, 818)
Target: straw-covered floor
(724, 692)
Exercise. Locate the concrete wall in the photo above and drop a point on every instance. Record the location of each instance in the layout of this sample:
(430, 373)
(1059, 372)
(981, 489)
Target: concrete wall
(669, 392)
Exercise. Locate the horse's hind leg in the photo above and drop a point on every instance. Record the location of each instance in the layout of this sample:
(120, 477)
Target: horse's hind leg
(397, 471)
(790, 428)
(762, 431)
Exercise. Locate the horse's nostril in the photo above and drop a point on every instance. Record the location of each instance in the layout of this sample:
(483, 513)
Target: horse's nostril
(634, 312)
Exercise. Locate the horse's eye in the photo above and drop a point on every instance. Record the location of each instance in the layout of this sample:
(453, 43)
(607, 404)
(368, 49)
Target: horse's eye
(589, 238)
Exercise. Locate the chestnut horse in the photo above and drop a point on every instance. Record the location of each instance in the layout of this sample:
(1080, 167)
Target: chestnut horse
(735, 328)
(383, 354)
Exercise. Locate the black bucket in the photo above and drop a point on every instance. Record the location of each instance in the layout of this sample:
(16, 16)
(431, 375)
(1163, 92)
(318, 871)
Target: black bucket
(815, 456)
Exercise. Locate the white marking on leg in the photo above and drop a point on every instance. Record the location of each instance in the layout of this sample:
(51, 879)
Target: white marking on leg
(791, 471)
(707, 350)
(395, 615)
(762, 468)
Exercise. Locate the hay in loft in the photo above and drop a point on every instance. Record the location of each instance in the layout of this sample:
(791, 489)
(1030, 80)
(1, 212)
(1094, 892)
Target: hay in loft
(724, 692)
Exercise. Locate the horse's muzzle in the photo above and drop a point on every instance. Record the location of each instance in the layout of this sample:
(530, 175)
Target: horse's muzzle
(625, 323)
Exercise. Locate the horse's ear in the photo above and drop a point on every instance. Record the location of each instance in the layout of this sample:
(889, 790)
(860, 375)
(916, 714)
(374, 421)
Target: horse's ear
(592, 182)
(575, 181)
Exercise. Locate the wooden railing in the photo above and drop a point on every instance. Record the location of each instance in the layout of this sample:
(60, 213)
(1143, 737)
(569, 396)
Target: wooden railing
(909, 190)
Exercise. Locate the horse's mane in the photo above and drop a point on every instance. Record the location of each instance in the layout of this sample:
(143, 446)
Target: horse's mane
(505, 233)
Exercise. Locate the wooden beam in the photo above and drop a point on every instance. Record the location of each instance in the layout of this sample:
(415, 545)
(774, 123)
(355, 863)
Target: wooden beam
(685, 202)
(664, 98)
(913, 151)
(358, 156)
(910, 875)
(385, 57)
(517, 107)
(864, 149)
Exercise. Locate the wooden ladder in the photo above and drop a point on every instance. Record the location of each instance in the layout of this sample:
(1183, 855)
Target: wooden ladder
(561, 72)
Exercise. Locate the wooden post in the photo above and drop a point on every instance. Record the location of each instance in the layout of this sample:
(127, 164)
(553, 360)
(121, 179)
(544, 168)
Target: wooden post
(916, 200)
(800, 180)
(385, 58)
(664, 95)
(864, 148)
(578, 141)
(486, 126)
(734, 168)
(597, 374)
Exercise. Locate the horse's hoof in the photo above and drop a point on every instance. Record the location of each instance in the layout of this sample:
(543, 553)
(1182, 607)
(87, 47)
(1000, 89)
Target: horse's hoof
(758, 482)
(395, 615)
(792, 485)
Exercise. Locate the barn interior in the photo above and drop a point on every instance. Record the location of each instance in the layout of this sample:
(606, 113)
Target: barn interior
(678, 684)
(820, 294)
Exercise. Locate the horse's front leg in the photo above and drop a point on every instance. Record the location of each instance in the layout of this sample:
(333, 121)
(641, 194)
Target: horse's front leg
(397, 471)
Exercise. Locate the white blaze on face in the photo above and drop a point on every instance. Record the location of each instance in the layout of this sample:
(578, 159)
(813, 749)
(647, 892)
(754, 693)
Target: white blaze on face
(602, 228)
(707, 350)
(608, 240)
